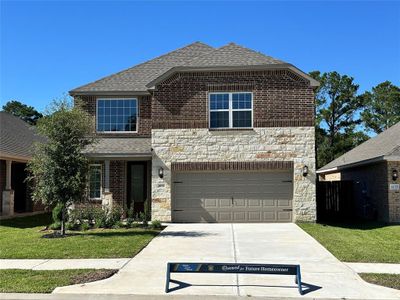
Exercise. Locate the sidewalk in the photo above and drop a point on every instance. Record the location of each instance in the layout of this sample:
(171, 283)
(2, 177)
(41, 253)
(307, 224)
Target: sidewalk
(63, 264)
(118, 263)
(374, 268)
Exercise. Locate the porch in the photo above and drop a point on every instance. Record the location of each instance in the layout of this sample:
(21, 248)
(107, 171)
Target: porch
(120, 173)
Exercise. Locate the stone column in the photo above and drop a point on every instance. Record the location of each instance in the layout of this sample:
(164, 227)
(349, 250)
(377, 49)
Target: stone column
(107, 197)
(8, 193)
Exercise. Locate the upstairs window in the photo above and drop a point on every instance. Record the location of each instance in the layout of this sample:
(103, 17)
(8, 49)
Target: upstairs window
(95, 179)
(231, 110)
(117, 115)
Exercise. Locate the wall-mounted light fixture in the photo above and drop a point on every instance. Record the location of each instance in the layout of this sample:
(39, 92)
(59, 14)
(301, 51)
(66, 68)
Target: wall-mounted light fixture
(395, 175)
(160, 172)
(305, 170)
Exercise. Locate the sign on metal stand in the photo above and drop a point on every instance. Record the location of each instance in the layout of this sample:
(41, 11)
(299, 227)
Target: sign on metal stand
(273, 269)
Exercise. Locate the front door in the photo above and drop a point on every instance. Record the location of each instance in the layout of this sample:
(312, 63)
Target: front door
(137, 186)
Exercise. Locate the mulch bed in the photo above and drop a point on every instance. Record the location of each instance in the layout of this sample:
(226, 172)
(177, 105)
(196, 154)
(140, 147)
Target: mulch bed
(93, 276)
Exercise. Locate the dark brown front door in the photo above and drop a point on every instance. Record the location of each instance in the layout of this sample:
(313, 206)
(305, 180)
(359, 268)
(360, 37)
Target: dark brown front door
(137, 186)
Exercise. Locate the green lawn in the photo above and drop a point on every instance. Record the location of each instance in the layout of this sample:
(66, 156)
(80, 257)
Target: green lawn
(388, 280)
(29, 281)
(358, 242)
(23, 238)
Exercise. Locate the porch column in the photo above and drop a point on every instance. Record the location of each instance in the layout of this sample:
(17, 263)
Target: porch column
(8, 174)
(8, 193)
(106, 176)
(107, 198)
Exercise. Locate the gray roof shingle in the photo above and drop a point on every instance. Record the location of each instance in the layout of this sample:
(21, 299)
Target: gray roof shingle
(16, 137)
(136, 78)
(386, 143)
(194, 55)
(120, 147)
(232, 55)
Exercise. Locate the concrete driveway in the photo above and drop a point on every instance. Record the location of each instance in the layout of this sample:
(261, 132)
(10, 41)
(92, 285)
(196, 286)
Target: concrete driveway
(325, 276)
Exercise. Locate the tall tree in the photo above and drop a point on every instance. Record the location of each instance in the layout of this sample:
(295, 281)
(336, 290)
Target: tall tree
(336, 107)
(27, 113)
(382, 107)
(59, 169)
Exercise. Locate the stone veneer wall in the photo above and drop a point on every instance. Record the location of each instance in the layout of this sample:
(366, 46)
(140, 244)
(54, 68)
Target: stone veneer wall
(260, 144)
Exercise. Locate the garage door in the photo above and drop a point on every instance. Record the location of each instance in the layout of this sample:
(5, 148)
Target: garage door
(232, 196)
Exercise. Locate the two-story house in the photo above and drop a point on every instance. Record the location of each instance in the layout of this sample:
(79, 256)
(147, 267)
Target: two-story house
(205, 134)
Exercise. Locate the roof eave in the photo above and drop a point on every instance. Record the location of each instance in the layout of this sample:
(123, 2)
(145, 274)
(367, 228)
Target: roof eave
(74, 93)
(355, 164)
(151, 85)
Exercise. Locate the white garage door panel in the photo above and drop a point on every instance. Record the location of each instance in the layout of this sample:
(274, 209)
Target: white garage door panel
(232, 196)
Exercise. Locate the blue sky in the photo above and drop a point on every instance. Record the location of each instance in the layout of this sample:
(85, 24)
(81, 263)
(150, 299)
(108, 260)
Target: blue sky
(50, 47)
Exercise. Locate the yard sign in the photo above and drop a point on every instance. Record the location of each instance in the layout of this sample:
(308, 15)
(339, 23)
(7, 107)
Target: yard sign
(234, 268)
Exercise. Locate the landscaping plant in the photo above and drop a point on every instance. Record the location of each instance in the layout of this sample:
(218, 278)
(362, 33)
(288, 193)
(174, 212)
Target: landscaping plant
(59, 169)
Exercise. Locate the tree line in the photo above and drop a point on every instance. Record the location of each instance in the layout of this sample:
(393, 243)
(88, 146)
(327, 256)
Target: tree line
(345, 118)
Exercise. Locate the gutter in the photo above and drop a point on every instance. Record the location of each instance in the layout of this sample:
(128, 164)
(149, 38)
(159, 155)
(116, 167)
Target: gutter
(355, 164)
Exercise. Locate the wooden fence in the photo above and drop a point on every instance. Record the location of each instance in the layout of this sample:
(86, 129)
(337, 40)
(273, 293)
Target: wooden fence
(335, 201)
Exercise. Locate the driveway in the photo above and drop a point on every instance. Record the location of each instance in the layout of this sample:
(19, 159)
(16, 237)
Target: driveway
(325, 276)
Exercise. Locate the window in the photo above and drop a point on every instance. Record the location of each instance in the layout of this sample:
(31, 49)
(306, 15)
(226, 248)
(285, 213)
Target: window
(95, 181)
(231, 110)
(117, 115)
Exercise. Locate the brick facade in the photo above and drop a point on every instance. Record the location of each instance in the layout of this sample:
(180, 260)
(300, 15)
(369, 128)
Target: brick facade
(372, 196)
(393, 195)
(144, 115)
(280, 98)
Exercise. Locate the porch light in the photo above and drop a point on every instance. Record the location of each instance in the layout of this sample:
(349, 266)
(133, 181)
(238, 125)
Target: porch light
(395, 175)
(305, 171)
(161, 172)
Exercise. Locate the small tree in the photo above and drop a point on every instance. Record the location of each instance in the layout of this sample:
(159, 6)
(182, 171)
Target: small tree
(58, 168)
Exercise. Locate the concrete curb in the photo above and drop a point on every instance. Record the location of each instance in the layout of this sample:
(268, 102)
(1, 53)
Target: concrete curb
(15, 296)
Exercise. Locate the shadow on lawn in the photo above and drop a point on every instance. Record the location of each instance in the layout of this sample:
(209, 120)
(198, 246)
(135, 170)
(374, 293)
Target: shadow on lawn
(357, 224)
(104, 233)
(28, 222)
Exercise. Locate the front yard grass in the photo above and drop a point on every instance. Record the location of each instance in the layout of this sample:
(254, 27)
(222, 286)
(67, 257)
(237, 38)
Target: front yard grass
(388, 280)
(358, 242)
(23, 238)
(29, 281)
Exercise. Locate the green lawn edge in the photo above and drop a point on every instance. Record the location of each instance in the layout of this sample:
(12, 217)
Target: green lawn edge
(45, 281)
(368, 242)
(386, 280)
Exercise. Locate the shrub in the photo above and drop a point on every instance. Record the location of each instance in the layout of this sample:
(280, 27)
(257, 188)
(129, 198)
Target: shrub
(55, 226)
(85, 226)
(143, 219)
(156, 224)
(72, 226)
(57, 212)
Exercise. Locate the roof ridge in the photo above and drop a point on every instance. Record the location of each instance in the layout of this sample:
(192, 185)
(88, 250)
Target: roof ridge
(248, 49)
(140, 64)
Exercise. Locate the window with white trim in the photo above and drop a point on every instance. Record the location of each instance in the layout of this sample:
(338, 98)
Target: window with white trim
(117, 115)
(95, 180)
(231, 110)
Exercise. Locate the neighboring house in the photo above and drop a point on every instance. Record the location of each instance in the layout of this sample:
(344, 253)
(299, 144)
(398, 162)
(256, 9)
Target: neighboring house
(374, 168)
(16, 141)
(205, 134)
